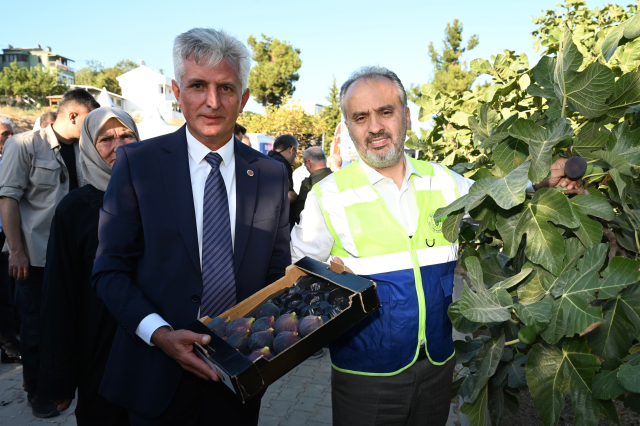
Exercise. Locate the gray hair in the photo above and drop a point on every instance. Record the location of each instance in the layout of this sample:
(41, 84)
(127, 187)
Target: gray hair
(6, 121)
(314, 154)
(209, 47)
(369, 73)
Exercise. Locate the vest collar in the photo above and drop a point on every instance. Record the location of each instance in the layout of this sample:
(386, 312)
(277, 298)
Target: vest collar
(374, 176)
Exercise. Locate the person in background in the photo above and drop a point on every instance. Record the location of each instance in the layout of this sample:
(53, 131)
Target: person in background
(78, 331)
(38, 169)
(239, 131)
(335, 162)
(315, 161)
(285, 151)
(9, 344)
(246, 140)
(376, 217)
(47, 118)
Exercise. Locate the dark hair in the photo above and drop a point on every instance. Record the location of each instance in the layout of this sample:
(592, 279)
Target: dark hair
(48, 116)
(77, 97)
(283, 142)
(239, 128)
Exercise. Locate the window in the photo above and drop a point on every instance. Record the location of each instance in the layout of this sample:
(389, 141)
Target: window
(14, 57)
(161, 89)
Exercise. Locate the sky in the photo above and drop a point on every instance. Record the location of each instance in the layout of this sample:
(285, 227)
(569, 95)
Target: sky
(334, 37)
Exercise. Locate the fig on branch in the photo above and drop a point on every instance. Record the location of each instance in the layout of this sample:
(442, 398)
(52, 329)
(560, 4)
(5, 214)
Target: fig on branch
(284, 340)
(575, 167)
(268, 310)
(527, 336)
(239, 325)
(264, 353)
(287, 322)
(309, 324)
(261, 339)
(218, 325)
(239, 341)
(263, 324)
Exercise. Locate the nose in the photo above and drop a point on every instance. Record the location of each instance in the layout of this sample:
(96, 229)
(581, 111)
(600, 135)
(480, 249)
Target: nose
(213, 98)
(375, 126)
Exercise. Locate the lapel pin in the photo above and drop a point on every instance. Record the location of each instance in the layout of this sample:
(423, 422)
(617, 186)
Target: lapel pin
(250, 172)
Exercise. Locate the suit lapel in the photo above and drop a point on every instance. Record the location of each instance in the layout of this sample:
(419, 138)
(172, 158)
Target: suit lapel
(177, 181)
(246, 192)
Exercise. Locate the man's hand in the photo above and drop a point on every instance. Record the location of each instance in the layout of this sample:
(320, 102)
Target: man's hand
(18, 265)
(62, 404)
(178, 345)
(558, 178)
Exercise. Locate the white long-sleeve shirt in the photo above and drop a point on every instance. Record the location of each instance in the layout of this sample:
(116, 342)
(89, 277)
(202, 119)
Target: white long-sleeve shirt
(199, 170)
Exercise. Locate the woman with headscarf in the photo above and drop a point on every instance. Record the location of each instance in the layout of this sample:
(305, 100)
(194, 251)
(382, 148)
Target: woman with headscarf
(77, 330)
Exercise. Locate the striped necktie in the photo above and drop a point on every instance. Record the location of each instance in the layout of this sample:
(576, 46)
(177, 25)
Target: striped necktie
(218, 276)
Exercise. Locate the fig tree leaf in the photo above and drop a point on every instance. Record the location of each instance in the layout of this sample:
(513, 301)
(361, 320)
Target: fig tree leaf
(459, 322)
(466, 349)
(514, 372)
(543, 75)
(506, 223)
(535, 286)
(476, 411)
(625, 143)
(536, 315)
(483, 306)
(511, 281)
(626, 93)
(510, 190)
(629, 29)
(541, 142)
(616, 161)
(451, 226)
(453, 207)
(478, 192)
(553, 373)
(606, 386)
(629, 300)
(594, 206)
(629, 377)
(493, 272)
(510, 154)
(589, 231)
(611, 341)
(620, 273)
(486, 363)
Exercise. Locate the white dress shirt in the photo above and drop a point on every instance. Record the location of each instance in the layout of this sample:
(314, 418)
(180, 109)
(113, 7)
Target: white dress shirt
(199, 170)
(312, 237)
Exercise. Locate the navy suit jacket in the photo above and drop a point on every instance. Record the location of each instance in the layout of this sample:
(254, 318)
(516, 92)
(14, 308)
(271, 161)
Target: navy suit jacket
(148, 259)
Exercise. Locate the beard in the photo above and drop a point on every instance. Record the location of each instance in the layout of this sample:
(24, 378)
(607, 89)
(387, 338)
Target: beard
(382, 158)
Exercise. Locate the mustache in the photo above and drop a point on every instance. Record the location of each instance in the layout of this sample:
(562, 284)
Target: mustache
(382, 134)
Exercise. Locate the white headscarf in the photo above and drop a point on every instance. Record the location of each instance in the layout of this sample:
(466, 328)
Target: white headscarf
(93, 167)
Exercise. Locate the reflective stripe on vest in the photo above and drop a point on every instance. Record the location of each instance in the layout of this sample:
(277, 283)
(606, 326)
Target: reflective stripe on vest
(372, 243)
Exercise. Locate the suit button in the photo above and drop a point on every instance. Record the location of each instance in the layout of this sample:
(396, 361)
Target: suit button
(195, 298)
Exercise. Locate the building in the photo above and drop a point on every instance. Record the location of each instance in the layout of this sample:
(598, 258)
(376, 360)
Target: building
(311, 108)
(145, 89)
(31, 57)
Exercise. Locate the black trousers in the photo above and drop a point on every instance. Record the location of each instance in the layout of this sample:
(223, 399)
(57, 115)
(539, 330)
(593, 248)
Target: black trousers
(7, 323)
(203, 403)
(420, 395)
(93, 409)
(28, 296)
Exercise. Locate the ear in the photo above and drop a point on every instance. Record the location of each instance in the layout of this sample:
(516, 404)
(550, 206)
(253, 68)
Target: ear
(407, 113)
(244, 99)
(73, 117)
(176, 91)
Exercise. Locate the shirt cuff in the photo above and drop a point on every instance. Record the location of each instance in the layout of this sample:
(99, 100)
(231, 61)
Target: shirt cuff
(530, 187)
(148, 325)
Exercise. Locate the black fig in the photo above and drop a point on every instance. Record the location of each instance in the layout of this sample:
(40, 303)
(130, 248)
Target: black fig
(240, 342)
(261, 339)
(218, 325)
(309, 324)
(287, 322)
(575, 167)
(238, 325)
(264, 353)
(263, 324)
(284, 340)
(268, 310)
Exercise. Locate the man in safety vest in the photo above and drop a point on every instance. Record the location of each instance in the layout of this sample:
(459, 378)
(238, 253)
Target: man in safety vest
(376, 216)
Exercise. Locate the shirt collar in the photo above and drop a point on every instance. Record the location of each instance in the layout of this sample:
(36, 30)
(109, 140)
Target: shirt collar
(375, 177)
(198, 150)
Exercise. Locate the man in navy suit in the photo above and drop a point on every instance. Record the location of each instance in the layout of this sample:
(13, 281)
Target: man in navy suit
(193, 222)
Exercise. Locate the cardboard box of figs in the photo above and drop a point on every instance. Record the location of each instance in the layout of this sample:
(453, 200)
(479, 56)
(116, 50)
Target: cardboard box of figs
(284, 323)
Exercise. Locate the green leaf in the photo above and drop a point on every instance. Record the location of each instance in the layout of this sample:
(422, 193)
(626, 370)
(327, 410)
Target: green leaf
(510, 190)
(510, 154)
(611, 341)
(466, 349)
(626, 143)
(575, 250)
(626, 93)
(511, 281)
(451, 227)
(616, 161)
(483, 306)
(606, 386)
(459, 322)
(541, 142)
(629, 377)
(453, 207)
(478, 192)
(536, 315)
(543, 75)
(514, 372)
(594, 206)
(486, 363)
(493, 272)
(589, 231)
(630, 302)
(506, 223)
(476, 411)
(552, 373)
(620, 273)
(629, 29)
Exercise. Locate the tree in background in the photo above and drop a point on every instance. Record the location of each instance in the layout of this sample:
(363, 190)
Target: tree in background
(288, 118)
(330, 115)
(450, 74)
(32, 82)
(271, 80)
(94, 74)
